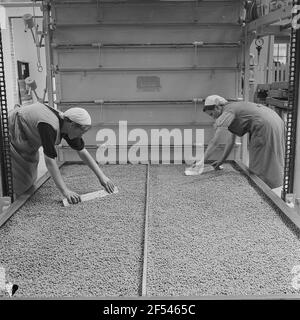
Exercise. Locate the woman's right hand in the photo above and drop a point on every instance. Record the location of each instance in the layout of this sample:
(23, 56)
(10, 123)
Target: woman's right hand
(197, 164)
(72, 196)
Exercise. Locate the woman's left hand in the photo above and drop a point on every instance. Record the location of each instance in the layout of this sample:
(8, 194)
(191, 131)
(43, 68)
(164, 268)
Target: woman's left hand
(217, 165)
(107, 184)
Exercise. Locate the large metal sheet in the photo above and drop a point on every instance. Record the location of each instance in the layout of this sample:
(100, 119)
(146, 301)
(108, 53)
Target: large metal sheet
(147, 57)
(151, 12)
(130, 77)
(159, 113)
(120, 85)
(145, 34)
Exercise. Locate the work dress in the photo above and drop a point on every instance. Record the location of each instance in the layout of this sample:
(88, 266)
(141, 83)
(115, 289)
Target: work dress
(266, 138)
(25, 142)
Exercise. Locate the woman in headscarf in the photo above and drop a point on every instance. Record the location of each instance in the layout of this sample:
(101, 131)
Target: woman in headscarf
(266, 136)
(37, 125)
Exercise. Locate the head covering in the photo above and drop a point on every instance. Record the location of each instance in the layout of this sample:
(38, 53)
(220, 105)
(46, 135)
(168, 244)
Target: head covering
(78, 115)
(214, 100)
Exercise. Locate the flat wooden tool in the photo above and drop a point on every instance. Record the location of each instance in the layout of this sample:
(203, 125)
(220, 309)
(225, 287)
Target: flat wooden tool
(90, 196)
(196, 171)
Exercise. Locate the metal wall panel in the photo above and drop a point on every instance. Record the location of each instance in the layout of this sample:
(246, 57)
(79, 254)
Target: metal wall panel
(147, 57)
(147, 12)
(145, 34)
(83, 86)
(159, 114)
(146, 51)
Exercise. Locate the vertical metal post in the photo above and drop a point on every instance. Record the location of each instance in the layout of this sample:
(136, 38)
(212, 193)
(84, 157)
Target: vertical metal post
(48, 34)
(269, 73)
(244, 139)
(295, 63)
(292, 161)
(297, 158)
(6, 166)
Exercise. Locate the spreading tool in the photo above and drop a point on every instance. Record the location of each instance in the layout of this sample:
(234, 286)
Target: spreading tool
(91, 196)
(197, 170)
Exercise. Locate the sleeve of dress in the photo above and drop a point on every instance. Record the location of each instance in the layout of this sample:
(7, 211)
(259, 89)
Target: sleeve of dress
(48, 137)
(225, 120)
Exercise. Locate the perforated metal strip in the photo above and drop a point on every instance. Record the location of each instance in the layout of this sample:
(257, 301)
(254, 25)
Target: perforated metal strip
(6, 167)
(293, 96)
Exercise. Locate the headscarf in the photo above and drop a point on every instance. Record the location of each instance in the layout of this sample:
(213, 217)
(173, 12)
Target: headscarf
(214, 100)
(78, 115)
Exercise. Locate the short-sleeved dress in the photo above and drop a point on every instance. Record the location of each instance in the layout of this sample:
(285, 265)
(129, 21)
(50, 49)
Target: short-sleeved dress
(31, 127)
(266, 138)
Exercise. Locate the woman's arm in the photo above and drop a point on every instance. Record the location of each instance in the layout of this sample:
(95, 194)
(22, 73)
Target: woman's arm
(92, 164)
(228, 148)
(229, 145)
(213, 144)
(52, 167)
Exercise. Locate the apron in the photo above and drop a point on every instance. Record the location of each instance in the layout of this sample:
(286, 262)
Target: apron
(267, 140)
(25, 143)
(267, 149)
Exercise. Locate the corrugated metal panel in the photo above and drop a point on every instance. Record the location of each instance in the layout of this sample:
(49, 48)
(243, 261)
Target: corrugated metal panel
(145, 33)
(145, 50)
(143, 12)
(123, 85)
(147, 57)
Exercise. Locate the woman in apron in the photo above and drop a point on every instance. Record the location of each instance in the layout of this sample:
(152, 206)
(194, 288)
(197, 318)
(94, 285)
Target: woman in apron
(37, 125)
(266, 136)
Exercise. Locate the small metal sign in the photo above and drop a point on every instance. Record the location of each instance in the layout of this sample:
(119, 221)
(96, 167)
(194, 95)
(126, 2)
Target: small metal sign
(148, 83)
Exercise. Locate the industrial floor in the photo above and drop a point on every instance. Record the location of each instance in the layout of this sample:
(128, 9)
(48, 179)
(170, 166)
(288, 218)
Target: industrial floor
(208, 235)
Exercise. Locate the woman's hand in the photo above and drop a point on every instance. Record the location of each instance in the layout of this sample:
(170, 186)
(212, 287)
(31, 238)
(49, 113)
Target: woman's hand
(217, 164)
(198, 163)
(72, 196)
(107, 184)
